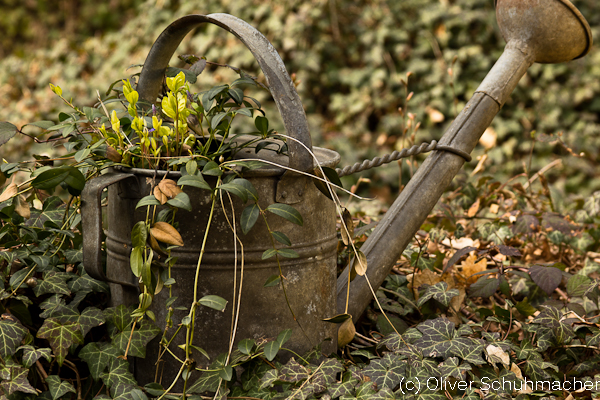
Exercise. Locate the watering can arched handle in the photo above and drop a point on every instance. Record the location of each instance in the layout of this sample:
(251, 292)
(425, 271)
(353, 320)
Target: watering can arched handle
(281, 85)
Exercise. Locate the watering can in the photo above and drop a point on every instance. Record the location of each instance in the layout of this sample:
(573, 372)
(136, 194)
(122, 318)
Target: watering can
(544, 31)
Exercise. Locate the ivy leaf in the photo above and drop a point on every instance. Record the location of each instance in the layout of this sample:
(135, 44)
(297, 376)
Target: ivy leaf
(17, 382)
(437, 337)
(119, 317)
(31, 355)
(89, 318)
(327, 374)
(210, 380)
(438, 292)
(387, 371)
(86, 283)
(468, 349)
(58, 387)
(286, 211)
(145, 331)
(293, 372)
(118, 373)
(11, 334)
(547, 278)
(347, 385)
(98, 356)
(452, 367)
(549, 317)
(577, 285)
(53, 282)
(60, 336)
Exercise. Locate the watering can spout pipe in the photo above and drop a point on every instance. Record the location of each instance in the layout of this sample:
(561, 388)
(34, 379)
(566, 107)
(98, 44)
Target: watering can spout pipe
(546, 31)
(406, 215)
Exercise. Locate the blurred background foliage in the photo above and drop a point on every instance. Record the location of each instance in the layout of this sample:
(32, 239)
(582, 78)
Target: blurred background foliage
(351, 59)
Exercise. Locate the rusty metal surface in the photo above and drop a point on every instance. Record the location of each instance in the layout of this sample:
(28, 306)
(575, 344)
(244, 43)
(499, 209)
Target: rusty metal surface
(536, 31)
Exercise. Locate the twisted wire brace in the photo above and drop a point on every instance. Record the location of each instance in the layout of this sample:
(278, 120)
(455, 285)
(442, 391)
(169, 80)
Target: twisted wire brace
(397, 155)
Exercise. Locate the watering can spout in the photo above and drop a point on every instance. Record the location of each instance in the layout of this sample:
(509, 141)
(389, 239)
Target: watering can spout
(544, 31)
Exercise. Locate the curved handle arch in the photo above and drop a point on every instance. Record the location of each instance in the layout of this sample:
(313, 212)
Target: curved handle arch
(281, 85)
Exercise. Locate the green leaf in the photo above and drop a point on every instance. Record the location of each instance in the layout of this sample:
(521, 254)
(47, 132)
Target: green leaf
(271, 349)
(31, 355)
(577, 285)
(292, 372)
(143, 333)
(386, 372)
(149, 200)
(212, 169)
(484, 287)
(262, 124)
(281, 238)
(195, 181)
(60, 336)
(525, 308)
(273, 280)
(90, 318)
(7, 132)
(98, 356)
(53, 282)
(16, 381)
(245, 346)
(214, 302)
(182, 200)
(235, 189)
(139, 234)
(11, 334)
(172, 72)
(75, 180)
(269, 253)
(284, 336)
(58, 387)
(286, 211)
(118, 373)
(438, 292)
(249, 217)
(288, 253)
(209, 381)
(226, 373)
(452, 367)
(136, 261)
(50, 179)
(216, 120)
(547, 278)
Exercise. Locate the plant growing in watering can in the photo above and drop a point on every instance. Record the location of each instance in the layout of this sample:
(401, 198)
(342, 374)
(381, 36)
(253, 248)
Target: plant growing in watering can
(40, 235)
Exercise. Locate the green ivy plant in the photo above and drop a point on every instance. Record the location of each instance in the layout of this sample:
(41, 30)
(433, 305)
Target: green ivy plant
(41, 247)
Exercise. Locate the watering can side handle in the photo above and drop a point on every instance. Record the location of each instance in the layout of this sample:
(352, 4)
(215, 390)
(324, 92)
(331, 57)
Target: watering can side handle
(281, 85)
(91, 223)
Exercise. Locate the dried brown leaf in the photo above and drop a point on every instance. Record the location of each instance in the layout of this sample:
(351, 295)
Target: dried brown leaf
(22, 207)
(10, 191)
(169, 188)
(473, 209)
(160, 196)
(113, 155)
(346, 332)
(165, 233)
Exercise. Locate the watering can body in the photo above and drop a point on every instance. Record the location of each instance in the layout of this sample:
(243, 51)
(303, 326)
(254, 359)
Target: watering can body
(228, 269)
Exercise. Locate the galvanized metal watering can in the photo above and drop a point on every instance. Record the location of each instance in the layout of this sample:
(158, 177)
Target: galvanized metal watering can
(545, 31)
